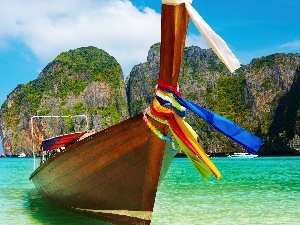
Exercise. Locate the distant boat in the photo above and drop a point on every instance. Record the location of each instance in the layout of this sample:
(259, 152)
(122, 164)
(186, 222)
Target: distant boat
(242, 155)
(2, 155)
(21, 155)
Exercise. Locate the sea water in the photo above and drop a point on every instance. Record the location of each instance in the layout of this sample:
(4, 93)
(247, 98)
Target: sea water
(263, 190)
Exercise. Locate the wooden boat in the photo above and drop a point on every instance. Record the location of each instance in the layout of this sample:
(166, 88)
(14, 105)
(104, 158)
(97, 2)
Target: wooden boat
(114, 174)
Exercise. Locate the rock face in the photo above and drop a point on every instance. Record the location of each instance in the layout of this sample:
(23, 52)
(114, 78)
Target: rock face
(273, 85)
(82, 81)
(262, 97)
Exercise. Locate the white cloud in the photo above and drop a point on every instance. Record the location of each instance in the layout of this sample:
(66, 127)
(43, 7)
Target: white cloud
(50, 27)
(294, 45)
(196, 40)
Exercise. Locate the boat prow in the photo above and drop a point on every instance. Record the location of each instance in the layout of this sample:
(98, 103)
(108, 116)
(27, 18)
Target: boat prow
(112, 174)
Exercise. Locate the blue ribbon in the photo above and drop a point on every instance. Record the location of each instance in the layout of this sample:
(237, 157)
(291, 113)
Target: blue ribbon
(230, 129)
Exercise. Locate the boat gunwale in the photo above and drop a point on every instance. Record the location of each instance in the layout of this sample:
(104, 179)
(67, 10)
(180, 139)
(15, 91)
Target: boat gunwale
(79, 142)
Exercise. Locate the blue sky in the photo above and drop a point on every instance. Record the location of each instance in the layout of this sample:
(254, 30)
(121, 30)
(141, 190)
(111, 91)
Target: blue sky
(33, 33)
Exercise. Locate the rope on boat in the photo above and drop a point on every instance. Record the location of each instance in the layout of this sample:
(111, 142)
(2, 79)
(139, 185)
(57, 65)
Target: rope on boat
(157, 132)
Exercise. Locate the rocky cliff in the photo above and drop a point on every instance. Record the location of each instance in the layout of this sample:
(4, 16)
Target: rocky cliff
(262, 97)
(82, 81)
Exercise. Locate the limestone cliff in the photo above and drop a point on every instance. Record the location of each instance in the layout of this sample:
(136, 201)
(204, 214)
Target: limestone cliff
(262, 97)
(82, 81)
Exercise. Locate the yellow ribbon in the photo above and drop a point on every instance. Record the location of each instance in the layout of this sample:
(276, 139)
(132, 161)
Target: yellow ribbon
(204, 165)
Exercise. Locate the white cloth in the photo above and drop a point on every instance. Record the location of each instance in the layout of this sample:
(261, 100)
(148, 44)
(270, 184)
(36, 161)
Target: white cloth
(218, 45)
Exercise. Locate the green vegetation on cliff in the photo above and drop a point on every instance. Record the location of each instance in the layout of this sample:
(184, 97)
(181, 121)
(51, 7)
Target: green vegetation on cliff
(229, 100)
(82, 81)
(96, 64)
(263, 97)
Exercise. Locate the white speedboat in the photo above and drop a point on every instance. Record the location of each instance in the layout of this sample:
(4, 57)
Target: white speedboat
(242, 155)
(21, 155)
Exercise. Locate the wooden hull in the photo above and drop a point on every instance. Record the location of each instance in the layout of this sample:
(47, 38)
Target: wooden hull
(112, 175)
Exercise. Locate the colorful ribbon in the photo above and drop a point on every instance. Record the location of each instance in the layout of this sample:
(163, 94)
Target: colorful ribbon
(158, 133)
(169, 108)
(233, 131)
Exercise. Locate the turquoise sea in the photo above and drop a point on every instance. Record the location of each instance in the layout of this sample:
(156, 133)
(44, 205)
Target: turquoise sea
(263, 190)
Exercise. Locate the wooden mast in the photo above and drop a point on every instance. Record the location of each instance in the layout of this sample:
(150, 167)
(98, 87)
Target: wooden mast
(173, 34)
(174, 25)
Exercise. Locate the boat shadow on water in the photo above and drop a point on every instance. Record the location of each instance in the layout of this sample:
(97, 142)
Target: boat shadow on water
(43, 212)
